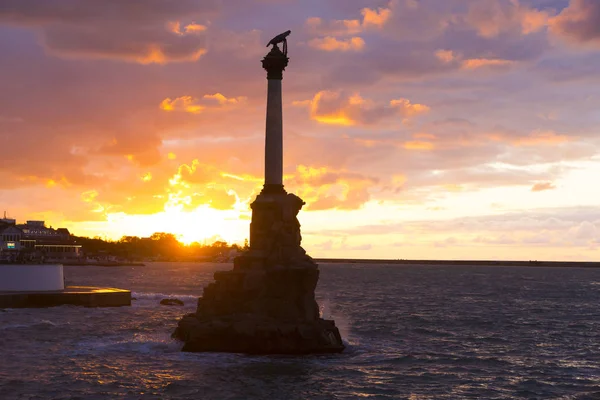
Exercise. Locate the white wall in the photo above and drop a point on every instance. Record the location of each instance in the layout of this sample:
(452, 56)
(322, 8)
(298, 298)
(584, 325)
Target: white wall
(31, 277)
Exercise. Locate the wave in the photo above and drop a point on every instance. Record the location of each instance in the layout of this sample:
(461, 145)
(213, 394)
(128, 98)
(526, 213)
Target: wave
(37, 324)
(139, 343)
(160, 296)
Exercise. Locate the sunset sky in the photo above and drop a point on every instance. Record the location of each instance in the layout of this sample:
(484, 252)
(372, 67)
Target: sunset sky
(455, 129)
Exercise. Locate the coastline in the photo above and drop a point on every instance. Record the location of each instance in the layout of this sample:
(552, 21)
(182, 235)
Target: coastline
(474, 263)
(103, 264)
(479, 263)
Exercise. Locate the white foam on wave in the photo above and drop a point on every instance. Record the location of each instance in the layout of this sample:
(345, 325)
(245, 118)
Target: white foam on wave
(154, 343)
(37, 324)
(342, 322)
(160, 296)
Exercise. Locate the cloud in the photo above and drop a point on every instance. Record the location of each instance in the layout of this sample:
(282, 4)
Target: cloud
(535, 138)
(418, 145)
(494, 17)
(316, 25)
(217, 198)
(476, 63)
(579, 22)
(342, 245)
(585, 230)
(376, 18)
(371, 19)
(340, 108)
(419, 20)
(450, 57)
(70, 28)
(407, 109)
(195, 106)
(237, 44)
(325, 188)
(556, 227)
(542, 186)
(127, 193)
(329, 43)
(446, 56)
(195, 173)
(495, 240)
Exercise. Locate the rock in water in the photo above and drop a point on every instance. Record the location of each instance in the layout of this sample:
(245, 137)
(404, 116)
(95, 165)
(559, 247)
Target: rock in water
(266, 304)
(171, 302)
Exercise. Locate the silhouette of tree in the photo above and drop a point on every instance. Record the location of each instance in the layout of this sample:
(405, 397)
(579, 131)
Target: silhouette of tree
(159, 246)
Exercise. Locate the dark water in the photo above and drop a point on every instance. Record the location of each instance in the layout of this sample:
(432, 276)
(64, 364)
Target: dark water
(414, 332)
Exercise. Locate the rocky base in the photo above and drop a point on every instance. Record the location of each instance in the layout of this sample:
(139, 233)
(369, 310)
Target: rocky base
(260, 311)
(250, 334)
(266, 304)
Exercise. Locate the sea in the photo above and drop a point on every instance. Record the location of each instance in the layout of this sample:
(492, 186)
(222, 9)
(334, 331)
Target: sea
(412, 332)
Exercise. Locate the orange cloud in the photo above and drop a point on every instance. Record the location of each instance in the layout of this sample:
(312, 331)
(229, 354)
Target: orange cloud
(542, 186)
(424, 136)
(338, 108)
(492, 17)
(376, 18)
(219, 199)
(371, 18)
(89, 196)
(579, 22)
(451, 57)
(194, 106)
(92, 30)
(336, 27)
(220, 99)
(195, 173)
(407, 109)
(446, 56)
(366, 142)
(330, 43)
(183, 103)
(535, 138)
(325, 188)
(147, 177)
(475, 63)
(193, 28)
(418, 145)
(129, 195)
(541, 138)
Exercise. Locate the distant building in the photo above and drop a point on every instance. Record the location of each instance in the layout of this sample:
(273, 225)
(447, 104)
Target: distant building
(10, 238)
(35, 239)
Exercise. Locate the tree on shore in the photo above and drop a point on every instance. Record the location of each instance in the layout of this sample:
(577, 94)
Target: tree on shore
(159, 246)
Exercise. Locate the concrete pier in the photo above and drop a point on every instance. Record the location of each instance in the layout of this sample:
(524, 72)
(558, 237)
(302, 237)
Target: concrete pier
(72, 295)
(31, 277)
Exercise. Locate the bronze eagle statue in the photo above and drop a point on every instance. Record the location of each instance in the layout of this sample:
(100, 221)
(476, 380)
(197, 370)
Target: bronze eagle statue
(282, 37)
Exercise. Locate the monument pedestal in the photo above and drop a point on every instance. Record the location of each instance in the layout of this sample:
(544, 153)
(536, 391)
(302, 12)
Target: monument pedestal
(266, 304)
(260, 312)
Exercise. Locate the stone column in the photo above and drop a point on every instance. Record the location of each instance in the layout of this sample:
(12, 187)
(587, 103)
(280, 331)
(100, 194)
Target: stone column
(274, 62)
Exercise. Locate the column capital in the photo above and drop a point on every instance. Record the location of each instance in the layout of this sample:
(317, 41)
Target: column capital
(272, 188)
(275, 63)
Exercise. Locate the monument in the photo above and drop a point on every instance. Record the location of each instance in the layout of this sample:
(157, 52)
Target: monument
(266, 304)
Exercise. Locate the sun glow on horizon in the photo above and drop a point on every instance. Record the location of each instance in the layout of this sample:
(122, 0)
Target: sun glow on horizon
(206, 223)
(203, 225)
